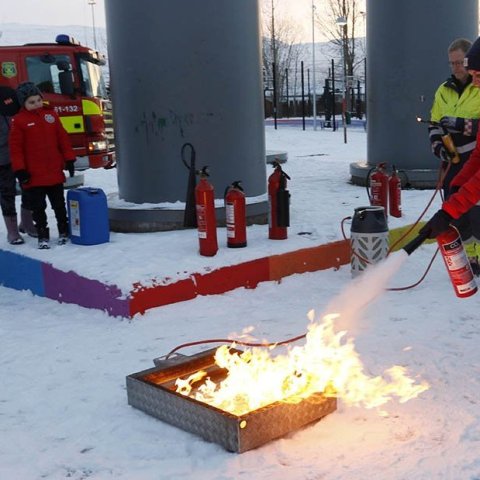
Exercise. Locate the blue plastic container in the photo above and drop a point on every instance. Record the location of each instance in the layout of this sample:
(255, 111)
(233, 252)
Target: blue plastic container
(88, 216)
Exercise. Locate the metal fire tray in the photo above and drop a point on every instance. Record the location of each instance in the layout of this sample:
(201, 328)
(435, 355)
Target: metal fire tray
(153, 391)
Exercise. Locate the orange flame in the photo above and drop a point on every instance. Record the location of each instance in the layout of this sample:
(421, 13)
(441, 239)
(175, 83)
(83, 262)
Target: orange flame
(327, 363)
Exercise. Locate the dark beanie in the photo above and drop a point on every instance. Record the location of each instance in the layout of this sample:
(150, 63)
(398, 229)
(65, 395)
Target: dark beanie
(472, 57)
(8, 102)
(25, 90)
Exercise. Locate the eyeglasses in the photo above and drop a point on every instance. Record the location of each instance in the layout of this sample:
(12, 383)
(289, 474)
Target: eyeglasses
(457, 63)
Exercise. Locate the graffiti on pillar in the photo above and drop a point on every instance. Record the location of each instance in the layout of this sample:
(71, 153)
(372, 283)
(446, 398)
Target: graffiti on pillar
(156, 125)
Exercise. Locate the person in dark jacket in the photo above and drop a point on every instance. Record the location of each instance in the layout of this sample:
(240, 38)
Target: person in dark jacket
(8, 184)
(8, 108)
(465, 186)
(40, 150)
(456, 111)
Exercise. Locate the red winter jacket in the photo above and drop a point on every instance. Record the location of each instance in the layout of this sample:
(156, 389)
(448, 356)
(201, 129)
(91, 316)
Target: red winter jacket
(39, 144)
(468, 179)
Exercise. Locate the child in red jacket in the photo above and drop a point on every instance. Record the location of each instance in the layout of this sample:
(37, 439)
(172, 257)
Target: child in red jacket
(40, 150)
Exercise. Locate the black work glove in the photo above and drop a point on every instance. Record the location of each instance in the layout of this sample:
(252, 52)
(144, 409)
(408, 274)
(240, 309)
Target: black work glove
(436, 225)
(453, 124)
(441, 152)
(23, 176)
(70, 166)
(453, 189)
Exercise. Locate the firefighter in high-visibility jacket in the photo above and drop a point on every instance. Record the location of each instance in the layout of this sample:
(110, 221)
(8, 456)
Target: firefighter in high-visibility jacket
(464, 195)
(456, 112)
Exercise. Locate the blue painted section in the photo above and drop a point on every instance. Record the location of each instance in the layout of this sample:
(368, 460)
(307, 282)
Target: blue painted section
(21, 273)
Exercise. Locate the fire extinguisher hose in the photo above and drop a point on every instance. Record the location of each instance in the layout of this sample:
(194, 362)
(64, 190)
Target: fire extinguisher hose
(409, 248)
(237, 342)
(417, 241)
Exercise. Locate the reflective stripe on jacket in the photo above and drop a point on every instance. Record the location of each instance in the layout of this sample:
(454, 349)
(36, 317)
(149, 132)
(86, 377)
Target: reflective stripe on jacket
(454, 100)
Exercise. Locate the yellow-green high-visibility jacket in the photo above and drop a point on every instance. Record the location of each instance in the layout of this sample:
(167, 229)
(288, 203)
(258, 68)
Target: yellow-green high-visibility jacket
(455, 100)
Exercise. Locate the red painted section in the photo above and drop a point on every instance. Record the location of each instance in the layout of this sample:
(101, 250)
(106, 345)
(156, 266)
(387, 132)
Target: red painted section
(331, 255)
(247, 275)
(150, 297)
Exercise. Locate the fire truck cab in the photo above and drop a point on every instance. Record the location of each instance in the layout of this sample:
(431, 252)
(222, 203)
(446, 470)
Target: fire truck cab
(71, 80)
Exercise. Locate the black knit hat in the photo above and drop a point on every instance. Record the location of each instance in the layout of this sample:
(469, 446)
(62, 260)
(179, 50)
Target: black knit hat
(25, 90)
(8, 101)
(472, 57)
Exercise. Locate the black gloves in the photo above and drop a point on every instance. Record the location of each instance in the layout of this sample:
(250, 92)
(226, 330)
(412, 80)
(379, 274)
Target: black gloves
(453, 189)
(436, 225)
(441, 152)
(453, 124)
(70, 166)
(23, 176)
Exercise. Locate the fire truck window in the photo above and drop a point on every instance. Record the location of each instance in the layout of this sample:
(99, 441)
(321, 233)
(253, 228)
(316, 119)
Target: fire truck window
(93, 82)
(45, 74)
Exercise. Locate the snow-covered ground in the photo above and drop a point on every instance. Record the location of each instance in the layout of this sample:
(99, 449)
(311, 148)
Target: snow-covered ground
(63, 406)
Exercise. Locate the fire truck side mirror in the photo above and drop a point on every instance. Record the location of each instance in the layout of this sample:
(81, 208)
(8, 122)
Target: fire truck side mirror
(65, 79)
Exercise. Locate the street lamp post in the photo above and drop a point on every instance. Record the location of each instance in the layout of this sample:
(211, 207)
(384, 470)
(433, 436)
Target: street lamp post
(92, 4)
(342, 22)
(314, 97)
(274, 68)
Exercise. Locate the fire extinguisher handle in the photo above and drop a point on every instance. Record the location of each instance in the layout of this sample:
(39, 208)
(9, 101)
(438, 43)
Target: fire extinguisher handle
(411, 246)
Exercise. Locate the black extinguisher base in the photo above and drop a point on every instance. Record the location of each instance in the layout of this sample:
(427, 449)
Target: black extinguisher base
(237, 245)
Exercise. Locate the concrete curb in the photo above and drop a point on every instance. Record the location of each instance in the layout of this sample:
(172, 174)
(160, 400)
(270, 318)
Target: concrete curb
(43, 279)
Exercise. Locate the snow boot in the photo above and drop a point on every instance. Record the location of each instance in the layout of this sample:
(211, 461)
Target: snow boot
(26, 223)
(62, 233)
(43, 238)
(13, 235)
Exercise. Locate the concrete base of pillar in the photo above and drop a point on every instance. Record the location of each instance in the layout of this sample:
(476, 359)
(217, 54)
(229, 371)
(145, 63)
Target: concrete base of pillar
(420, 179)
(150, 218)
(273, 155)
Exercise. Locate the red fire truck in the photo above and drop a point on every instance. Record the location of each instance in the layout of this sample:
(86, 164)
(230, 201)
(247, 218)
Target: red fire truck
(71, 79)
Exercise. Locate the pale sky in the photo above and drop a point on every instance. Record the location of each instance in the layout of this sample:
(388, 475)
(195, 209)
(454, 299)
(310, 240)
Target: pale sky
(52, 12)
(79, 12)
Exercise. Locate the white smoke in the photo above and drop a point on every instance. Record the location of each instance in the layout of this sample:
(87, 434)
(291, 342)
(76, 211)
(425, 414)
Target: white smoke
(364, 289)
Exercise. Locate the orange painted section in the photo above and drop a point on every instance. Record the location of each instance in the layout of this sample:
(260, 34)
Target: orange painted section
(331, 255)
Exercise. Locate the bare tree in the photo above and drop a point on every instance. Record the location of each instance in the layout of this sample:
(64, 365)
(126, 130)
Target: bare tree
(280, 47)
(340, 22)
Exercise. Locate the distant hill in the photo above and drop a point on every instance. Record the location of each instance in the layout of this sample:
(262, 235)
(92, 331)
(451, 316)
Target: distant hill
(19, 34)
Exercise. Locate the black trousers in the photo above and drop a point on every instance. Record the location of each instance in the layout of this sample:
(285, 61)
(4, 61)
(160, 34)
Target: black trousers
(37, 197)
(7, 191)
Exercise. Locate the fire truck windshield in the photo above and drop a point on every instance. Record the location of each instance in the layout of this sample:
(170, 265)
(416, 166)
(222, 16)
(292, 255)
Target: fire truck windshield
(92, 79)
(44, 71)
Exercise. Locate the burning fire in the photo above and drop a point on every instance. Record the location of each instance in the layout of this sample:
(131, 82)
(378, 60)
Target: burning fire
(327, 363)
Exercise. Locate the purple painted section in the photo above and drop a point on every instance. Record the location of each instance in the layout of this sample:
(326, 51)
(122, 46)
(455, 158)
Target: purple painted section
(69, 287)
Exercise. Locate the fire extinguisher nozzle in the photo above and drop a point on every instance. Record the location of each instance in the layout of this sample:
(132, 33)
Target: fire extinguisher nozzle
(411, 246)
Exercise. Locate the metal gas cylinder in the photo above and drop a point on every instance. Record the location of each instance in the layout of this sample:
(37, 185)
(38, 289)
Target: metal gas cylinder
(368, 237)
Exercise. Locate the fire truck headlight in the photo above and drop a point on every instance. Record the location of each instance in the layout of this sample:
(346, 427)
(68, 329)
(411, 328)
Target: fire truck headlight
(98, 146)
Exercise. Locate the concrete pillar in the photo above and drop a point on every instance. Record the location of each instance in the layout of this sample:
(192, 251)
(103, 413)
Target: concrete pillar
(407, 46)
(185, 71)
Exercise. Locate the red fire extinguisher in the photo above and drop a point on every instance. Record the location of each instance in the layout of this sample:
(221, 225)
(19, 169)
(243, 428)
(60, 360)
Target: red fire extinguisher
(205, 209)
(379, 187)
(279, 204)
(395, 193)
(456, 261)
(235, 215)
